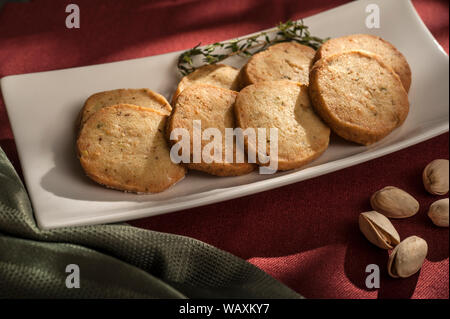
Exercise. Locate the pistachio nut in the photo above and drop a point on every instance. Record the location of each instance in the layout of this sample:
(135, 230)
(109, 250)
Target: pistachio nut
(378, 230)
(394, 202)
(435, 177)
(407, 257)
(438, 212)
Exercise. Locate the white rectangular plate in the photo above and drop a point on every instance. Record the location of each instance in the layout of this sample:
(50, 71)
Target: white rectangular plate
(42, 108)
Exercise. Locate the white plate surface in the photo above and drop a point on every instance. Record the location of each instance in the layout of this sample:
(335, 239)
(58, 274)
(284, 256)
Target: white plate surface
(42, 108)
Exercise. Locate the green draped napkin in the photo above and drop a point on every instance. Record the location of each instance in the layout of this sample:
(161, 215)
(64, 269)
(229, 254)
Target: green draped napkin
(115, 260)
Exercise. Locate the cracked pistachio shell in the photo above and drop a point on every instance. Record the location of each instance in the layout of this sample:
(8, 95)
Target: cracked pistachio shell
(394, 203)
(435, 177)
(407, 257)
(378, 230)
(438, 212)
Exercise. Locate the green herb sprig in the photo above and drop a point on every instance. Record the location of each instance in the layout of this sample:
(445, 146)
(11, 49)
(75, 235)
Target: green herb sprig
(296, 31)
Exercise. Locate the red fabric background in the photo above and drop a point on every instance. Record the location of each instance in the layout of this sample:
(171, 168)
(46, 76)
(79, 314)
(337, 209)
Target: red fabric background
(305, 234)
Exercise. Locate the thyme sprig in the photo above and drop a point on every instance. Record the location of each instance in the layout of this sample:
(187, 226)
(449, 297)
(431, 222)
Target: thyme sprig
(296, 31)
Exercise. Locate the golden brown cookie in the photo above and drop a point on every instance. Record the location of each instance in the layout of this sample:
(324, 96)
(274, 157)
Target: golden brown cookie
(358, 96)
(366, 42)
(219, 75)
(213, 107)
(285, 105)
(282, 61)
(140, 97)
(123, 147)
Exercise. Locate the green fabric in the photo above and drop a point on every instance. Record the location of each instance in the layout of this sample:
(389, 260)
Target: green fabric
(115, 260)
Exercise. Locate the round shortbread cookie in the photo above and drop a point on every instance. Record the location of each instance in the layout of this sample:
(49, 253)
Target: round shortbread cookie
(213, 106)
(285, 105)
(139, 97)
(282, 61)
(220, 75)
(366, 42)
(358, 96)
(124, 147)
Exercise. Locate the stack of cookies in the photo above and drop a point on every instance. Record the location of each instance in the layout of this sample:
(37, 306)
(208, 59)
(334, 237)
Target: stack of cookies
(355, 86)
(359, 86)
